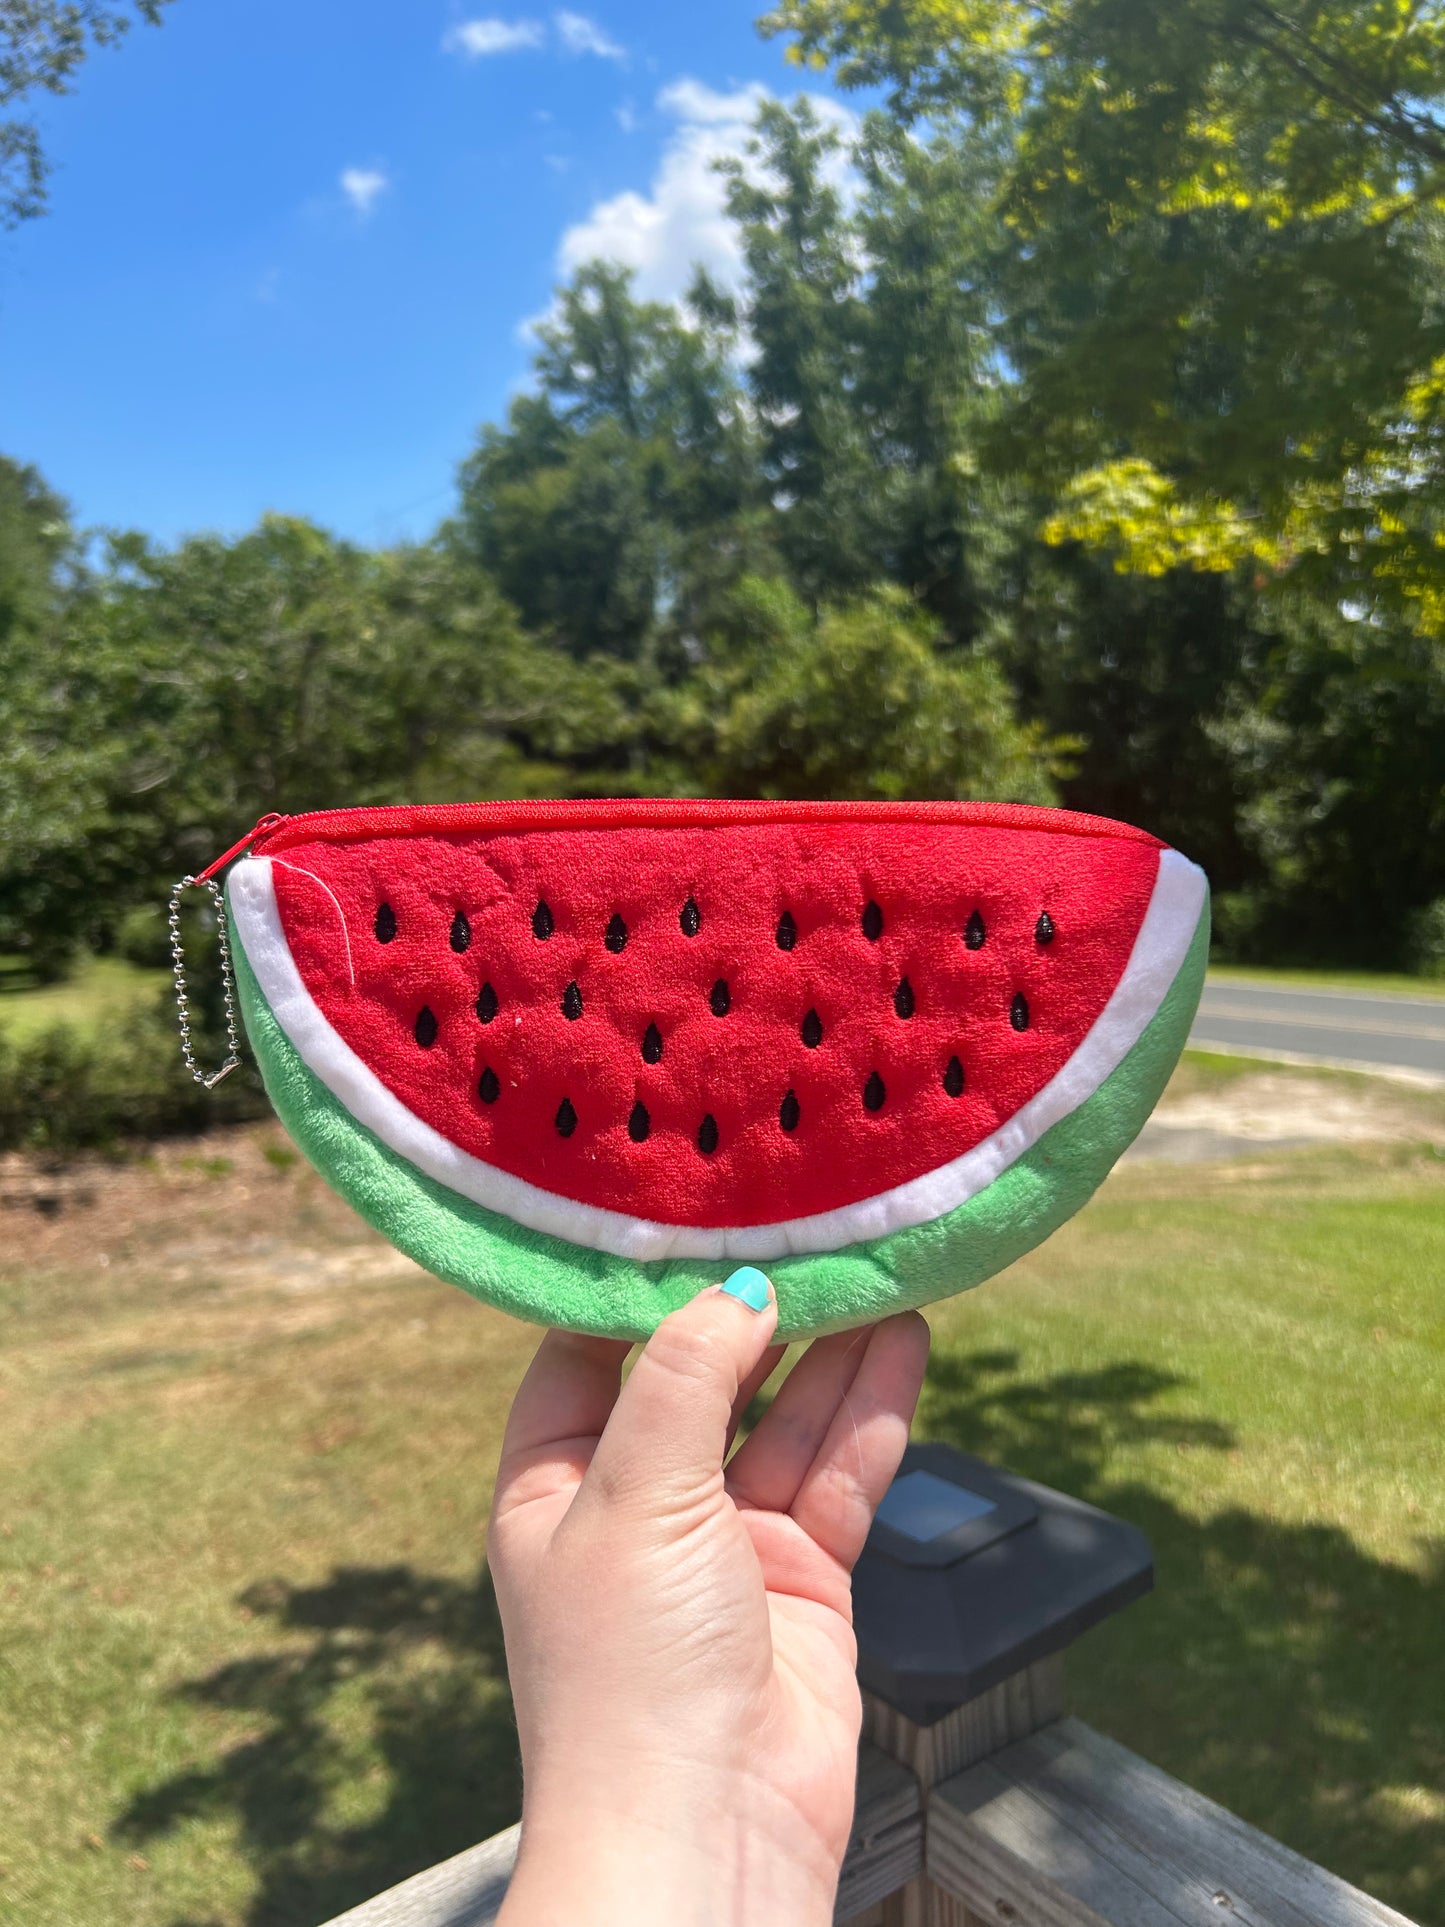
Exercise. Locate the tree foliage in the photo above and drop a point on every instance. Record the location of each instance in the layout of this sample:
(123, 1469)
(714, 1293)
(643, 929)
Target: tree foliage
(1216, 226)
(862, 704)
(35, 540)
(177, 696)
(42, 43)
(598, 505)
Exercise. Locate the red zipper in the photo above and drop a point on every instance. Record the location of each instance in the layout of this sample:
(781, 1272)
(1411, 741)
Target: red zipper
(279, 831)
(266, 823)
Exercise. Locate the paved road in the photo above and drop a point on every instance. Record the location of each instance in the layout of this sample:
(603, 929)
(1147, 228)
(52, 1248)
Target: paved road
(1367, 1032)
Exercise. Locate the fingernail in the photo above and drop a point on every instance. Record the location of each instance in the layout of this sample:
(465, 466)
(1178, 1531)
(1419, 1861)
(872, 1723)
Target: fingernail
(750, 1287)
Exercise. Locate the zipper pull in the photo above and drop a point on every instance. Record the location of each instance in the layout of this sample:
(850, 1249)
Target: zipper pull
(267, 822)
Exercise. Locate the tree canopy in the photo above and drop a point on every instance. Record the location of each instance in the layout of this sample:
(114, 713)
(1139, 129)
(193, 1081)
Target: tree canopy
(42, 43)
(1216, 228)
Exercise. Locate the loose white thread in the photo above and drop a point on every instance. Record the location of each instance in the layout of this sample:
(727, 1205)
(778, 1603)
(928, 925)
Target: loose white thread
(341, 914)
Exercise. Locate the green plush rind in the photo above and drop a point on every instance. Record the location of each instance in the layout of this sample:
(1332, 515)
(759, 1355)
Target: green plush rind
(549, 1281)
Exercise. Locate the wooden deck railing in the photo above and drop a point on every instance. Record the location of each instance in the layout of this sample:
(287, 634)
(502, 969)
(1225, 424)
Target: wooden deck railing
(1003, 1812)
(1060, 1828)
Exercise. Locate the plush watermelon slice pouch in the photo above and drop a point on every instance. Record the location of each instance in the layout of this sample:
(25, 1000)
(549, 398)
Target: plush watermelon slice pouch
(580, 1058)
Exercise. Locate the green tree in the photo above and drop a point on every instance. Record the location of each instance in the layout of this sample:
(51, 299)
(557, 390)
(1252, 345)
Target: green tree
(35, 539)
(1217, 294)
(1141, 674)
(562, 520)
(930, 380)
(1338, 754)
(803, 308)
(860, 703)
(180, 695)
(42, 43)
(604, 505)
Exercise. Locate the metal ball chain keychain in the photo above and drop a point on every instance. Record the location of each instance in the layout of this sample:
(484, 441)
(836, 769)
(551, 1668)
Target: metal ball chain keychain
(228, 982)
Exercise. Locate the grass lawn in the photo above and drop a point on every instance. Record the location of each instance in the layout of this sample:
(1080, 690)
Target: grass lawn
(251, 1670)
(97, 991)
(1381, 982)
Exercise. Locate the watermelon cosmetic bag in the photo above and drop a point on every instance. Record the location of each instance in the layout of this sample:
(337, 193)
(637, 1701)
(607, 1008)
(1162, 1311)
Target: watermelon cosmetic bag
(581, 1058)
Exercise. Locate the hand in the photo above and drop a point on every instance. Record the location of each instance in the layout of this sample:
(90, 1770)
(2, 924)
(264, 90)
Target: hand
(679, 1638)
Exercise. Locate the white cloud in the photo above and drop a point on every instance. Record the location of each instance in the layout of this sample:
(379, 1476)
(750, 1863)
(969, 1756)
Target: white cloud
(681, 221)
(579, 35)
(362, 186)
(626, 117)
(694, 100)
(477, 39)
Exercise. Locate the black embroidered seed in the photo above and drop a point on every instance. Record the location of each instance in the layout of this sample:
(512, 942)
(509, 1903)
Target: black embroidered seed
(707, 1135)
(903, 999)
(490, 1087)
(487, 1004)
(720, 998)
(789, 1112)
(1018, 1012)
(691, 918)
(542, 921)
(385, 925)
(616, 938)
(652, 1045)
(953, 1078)
(787, 932)
(426, 1027)
(461, 932)
(974, 934)
(1044, 928)
(572, 1003)
(639, 1124)
(873, 1092)
(566, 1119)
(812, 1030)
(872, 922)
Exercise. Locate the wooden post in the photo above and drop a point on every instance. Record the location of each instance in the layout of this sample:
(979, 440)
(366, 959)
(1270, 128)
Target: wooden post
(973, 1585)
(1010, 1711)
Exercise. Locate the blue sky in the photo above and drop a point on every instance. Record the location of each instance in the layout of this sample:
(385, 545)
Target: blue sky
(293, 244)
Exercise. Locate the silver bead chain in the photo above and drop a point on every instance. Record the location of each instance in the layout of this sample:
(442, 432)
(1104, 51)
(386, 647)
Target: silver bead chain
(228, 982)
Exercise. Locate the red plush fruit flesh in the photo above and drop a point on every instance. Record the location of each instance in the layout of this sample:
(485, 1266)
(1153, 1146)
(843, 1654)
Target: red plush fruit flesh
(720, 1022)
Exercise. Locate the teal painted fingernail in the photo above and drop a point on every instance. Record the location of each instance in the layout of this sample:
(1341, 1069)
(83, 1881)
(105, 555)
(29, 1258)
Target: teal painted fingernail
(750, 1286)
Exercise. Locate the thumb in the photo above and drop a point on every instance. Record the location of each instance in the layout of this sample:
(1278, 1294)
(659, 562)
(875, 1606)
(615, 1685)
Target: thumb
(668, 1431)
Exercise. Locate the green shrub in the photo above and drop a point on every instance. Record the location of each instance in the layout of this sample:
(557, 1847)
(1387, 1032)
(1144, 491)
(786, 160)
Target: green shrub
(71, 1089)
(1425, 939)
(864, 704)
(143, 937)
(1239, 919)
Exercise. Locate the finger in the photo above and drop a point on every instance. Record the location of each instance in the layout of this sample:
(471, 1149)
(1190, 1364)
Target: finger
(669, 1428)
(842, 1488)
(752, 1385)
(768, 1467)
(568, 1393)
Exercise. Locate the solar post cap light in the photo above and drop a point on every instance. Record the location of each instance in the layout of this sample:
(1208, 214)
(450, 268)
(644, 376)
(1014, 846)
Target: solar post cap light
(581, 1058)
(971, 1574)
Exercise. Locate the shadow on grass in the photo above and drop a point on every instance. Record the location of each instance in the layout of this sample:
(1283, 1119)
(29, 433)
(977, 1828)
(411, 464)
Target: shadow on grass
(423, 1655)
(1276, 1667)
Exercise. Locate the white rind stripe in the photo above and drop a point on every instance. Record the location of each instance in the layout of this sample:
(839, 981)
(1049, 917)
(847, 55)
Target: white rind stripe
(1159, 952)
